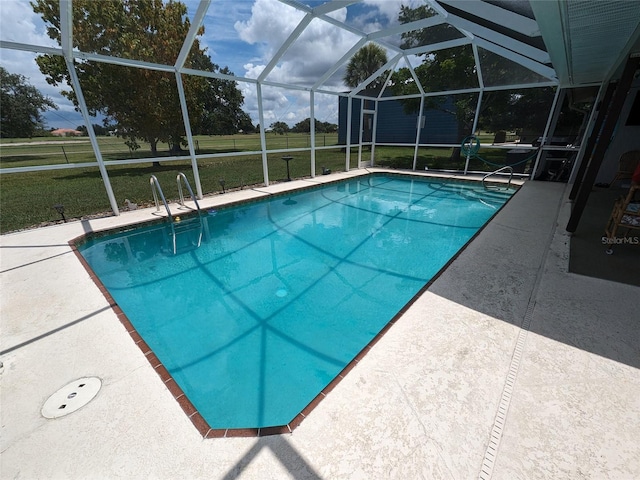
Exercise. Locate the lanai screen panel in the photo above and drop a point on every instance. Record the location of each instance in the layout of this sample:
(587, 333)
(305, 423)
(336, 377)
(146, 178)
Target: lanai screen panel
(426, 36)
(524, 111)
(500, 71)
(264, 42)
(448, 70)
(312, 54)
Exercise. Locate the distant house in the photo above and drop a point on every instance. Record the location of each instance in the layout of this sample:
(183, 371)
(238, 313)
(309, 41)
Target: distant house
(394, 125)
(66, 132)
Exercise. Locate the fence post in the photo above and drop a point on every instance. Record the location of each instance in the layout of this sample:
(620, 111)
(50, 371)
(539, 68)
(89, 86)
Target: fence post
(64, 153)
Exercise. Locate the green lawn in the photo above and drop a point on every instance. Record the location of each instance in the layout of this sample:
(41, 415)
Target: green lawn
(54, 151)
(27, 199)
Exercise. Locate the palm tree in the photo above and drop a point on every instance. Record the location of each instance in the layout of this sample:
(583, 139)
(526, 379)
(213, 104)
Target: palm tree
(363, 64)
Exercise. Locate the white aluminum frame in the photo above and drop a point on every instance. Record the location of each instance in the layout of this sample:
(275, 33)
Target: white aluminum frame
(474, 34)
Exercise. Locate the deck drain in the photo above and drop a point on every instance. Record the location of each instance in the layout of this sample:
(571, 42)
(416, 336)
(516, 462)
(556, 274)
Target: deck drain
(71, 397)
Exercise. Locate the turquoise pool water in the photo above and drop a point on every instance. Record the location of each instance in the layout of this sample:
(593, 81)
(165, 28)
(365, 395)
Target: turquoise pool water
(282, 294)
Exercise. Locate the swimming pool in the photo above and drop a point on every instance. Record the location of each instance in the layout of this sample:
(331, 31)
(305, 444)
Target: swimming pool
(284, 293)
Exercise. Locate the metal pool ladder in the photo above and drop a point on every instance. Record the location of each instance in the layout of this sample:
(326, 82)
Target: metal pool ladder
(507, 167)
(177, 225)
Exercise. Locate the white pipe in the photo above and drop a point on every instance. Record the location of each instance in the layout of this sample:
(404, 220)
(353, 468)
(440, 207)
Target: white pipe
(263, 139)
(348, 138)
(312, 125)
(187, 128)
(418, 132)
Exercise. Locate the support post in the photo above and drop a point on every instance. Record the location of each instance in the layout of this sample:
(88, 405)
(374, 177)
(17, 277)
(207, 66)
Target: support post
(550, 121)
(591, 143)
(348, 139)
(312, 132)
(373, 132)
(473, 129)
(596, 159)
(418, 132)
(187, 128)
(263, 140)
(362, 105)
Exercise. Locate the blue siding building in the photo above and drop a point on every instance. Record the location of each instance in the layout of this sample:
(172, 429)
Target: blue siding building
(396, 126)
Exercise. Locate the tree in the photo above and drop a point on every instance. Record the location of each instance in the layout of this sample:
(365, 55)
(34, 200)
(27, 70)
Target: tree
(97, 129)
(525, 111)
(364, 63)
(143, 103)
(326, 127)
(221, 100)
(249, 127)
(22, 106)
(304, 126)
(279, 127)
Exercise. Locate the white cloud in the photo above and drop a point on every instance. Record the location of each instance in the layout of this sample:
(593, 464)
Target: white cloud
(390, 8)
(18, 23)
(373, 15)
(308, 58)
(317, 49)
(274, 103)
(289, 106)
(270, 24)
(386, 8)
(253, 71)
(220, 39)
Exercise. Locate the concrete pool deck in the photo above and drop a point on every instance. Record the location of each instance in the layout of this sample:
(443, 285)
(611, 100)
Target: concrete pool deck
(507, 367)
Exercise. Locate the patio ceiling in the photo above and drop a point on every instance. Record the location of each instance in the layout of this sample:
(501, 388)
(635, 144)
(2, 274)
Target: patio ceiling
(588, 41)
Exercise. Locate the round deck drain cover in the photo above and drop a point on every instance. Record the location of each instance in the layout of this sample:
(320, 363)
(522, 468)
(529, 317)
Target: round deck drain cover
(71, 397)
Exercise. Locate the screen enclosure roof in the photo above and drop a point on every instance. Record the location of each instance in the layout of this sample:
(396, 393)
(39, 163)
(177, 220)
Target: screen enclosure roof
(515, 43)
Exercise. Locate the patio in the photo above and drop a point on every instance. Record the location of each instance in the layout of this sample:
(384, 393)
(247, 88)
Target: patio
(508, 366)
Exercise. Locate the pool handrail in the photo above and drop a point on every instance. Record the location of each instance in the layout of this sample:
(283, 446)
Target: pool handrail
(186, 183)
(157, 189)
(506, 167)
(183, 177)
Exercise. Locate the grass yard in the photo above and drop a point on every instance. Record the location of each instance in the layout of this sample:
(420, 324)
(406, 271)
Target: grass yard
(67, 150)
(27, 198)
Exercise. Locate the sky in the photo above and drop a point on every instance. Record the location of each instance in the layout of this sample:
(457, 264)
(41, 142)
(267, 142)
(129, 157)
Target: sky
(242, 35)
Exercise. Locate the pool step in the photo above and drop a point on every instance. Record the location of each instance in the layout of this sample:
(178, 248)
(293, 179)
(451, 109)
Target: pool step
(186, 234)
(176, 224)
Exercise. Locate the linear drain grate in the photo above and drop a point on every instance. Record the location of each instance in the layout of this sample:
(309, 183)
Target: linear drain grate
(71, 397)
(486, 471)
